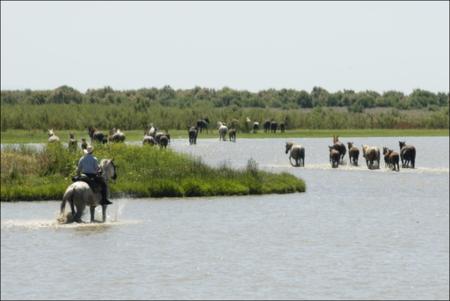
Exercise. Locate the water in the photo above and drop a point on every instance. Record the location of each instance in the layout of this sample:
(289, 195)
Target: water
(355, 234)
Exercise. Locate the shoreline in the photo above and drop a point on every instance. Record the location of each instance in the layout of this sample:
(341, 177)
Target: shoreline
(40, 136)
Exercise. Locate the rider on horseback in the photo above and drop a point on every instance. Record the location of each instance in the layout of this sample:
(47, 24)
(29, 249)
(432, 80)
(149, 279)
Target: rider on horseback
(88, 165)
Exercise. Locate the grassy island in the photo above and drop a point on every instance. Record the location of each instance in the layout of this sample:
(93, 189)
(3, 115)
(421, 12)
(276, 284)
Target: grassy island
(28, 174)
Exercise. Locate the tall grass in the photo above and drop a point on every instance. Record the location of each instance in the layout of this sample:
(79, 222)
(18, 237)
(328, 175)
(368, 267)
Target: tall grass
(142, 172)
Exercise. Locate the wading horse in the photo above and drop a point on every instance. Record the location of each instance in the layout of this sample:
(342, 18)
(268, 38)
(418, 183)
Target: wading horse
(232, 134)
(407, 155)
(391, 159)
(79, 195)
(335, 156)
(193, 133)
(297, 152)
(223, 130)
(371, 154)
(353, 154)
(340, 147)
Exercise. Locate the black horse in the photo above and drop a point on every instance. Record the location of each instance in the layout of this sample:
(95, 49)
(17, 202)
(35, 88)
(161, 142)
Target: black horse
(96, 135)
(202, 124)
(407, 155)
(266, 126)
(273, 126)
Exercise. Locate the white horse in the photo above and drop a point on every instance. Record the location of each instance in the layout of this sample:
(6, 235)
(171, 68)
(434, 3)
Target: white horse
(79, 195)
(52, 137)
(371, 154)
(297, 152)
(223, 130)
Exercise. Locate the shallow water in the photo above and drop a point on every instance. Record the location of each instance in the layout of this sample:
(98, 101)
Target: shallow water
(355, 234)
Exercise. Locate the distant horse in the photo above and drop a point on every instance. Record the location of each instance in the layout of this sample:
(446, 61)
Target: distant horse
(335, 156)
(52, 137)
(79, 195)
(407, 155)
(339, 146)
(273, 126)
(232, 134)
(150, 140)
(297, 152)
(353, 154)
(255, 127)
(193, 132)
(282, 127)
(96, 135)
(371, 154)
(150, 131)
(116, 135)
(73, 143)
(391, 159)
(266, 126)
(202, 124)
(163, 141)
(223, 130)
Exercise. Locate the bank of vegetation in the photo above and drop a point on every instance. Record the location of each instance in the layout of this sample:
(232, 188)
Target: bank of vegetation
(67, 108)
(28, 174)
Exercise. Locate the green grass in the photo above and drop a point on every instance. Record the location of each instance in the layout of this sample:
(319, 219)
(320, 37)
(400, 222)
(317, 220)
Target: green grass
(39, 136)
(142, 172)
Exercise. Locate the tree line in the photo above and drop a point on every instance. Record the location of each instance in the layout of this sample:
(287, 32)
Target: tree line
(226, 97)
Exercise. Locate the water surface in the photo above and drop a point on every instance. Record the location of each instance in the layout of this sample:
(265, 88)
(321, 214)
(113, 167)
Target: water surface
(355, 234)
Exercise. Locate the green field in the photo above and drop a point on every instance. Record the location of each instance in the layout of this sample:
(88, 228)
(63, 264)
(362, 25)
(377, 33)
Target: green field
(39, 136)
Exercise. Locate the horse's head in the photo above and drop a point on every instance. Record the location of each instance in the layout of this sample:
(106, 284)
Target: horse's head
(401, 144)
(288, 146)
(50, 132)
(71, 136)
(91, 131)
(109, 169)
(350, 145)
(364, 149)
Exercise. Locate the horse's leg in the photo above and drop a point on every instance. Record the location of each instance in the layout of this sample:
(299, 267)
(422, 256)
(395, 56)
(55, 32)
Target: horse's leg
(104, 213)
(92, 209)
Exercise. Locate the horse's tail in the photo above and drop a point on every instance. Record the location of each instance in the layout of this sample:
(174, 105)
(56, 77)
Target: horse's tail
(68, 196)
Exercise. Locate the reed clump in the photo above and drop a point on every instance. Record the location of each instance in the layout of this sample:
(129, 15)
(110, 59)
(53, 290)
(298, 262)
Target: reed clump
(142, 172)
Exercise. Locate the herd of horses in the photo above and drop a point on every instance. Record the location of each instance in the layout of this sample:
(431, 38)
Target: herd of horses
(372, 155)
(79, 195)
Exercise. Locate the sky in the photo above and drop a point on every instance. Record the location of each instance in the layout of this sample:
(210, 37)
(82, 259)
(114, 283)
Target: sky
(242, 45)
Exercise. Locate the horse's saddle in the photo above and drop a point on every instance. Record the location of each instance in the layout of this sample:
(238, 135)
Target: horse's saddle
(89, 180)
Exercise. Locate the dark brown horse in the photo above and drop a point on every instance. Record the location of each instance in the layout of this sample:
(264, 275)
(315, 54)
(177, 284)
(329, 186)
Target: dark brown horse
(335, 156)
(407, 155)
(340, 147)
(391, 159)
(232, 134)
(266, 126)
(353, 153)
(96, 135)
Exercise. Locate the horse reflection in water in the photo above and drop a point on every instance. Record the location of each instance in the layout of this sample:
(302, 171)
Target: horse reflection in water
(79, 195)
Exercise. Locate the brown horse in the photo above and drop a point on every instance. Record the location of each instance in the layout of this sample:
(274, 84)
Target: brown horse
(391, 159)
(407, 155)
(340, 147)
(371, 154)
(353, 153)
(335, 156)
(297, 152)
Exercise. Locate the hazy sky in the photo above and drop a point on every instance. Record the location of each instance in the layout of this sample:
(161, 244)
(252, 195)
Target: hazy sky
(242, 45)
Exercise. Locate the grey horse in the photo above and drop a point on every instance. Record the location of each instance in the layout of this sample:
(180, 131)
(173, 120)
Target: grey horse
(297, 152)
(223, 130)
(79, 195)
